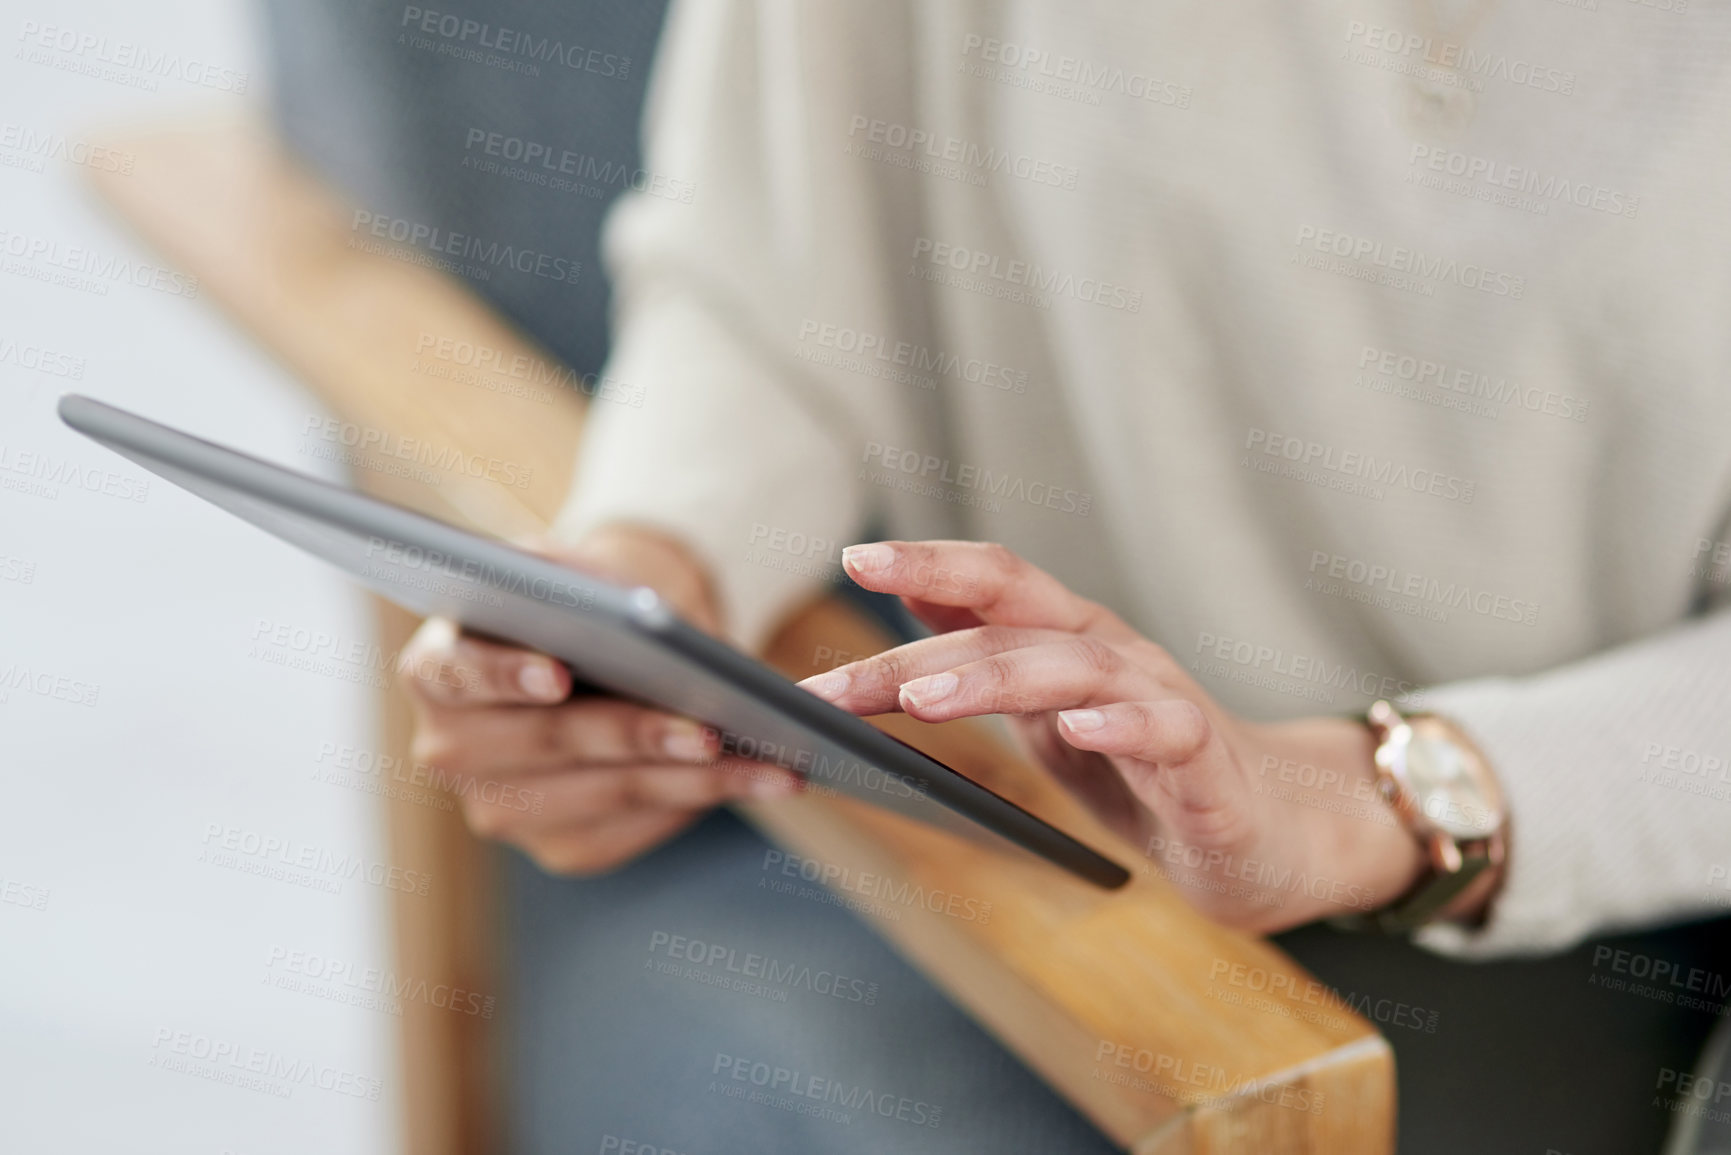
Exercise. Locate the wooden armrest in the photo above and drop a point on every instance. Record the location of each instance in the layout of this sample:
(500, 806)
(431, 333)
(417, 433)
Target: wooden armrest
(1120, 1000)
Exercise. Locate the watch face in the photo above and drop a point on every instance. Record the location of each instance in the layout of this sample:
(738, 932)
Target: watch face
(1449, 784)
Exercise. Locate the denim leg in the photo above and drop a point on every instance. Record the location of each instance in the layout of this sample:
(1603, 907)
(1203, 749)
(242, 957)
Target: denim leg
(796, 1030)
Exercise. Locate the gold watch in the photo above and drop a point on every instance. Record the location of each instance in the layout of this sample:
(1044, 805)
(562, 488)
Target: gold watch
(1442, 787)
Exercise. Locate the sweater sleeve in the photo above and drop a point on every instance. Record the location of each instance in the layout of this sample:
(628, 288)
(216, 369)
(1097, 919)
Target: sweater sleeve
(719, 457)
(710, 426)
(1616, 774)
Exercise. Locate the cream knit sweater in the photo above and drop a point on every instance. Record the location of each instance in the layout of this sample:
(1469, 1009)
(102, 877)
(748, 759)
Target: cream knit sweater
(1347, 349)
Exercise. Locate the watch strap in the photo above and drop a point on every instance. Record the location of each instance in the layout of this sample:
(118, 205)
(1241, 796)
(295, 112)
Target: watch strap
(1420, 905)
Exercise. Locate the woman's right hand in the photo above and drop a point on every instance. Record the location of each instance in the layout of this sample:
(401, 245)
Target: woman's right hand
(582, 784)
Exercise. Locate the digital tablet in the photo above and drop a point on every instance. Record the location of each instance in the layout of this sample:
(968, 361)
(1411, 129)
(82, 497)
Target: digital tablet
(626, 641)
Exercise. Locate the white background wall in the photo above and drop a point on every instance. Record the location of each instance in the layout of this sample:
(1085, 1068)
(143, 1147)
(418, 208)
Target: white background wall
(144, 944)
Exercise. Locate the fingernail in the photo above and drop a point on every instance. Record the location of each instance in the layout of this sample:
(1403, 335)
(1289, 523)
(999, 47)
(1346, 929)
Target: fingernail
(538, 681)
(830, 685)
(773, 786)
(1080, 720)
(923, 692)
(685, 742)
(868, 558)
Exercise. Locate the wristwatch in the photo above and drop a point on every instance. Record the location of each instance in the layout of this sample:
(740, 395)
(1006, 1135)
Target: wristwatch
(1442, 787)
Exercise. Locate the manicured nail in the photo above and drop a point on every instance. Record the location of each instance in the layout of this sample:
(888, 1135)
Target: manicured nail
(924, 692)
(1081, 720)
(684, 741)
(868, 558)
(773, 786)
(538, 681)
(829, 685)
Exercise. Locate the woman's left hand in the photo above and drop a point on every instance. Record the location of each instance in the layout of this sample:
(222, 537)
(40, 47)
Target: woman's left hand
(1216, 802)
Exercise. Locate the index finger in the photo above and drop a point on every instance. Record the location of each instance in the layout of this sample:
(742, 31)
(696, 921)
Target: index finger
(444, 666)
(1000, 587)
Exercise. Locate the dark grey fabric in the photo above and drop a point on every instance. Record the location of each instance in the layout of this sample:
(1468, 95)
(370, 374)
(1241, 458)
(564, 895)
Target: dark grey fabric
(1530, 1055)
(385, 111)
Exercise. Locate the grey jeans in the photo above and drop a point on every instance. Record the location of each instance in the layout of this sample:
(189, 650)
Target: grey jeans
(688, 1003)
(643, 1003)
